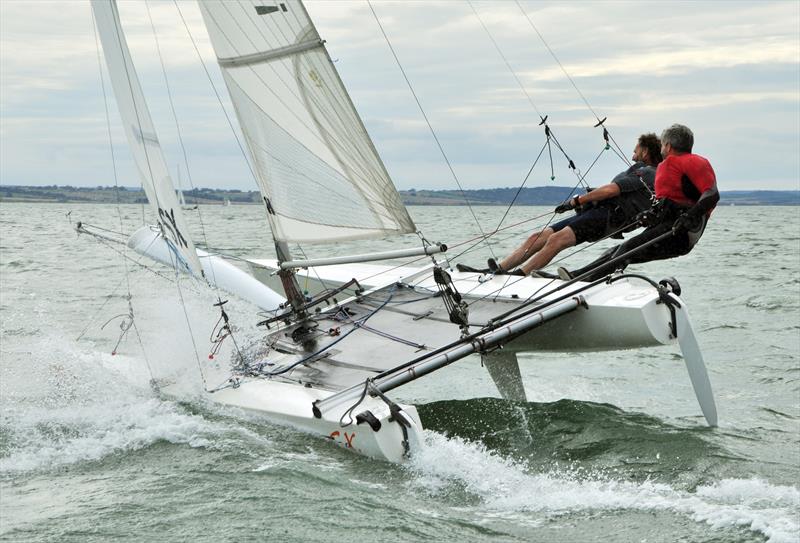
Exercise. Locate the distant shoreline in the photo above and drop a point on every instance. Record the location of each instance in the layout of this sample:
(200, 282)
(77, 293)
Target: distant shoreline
(532, 196)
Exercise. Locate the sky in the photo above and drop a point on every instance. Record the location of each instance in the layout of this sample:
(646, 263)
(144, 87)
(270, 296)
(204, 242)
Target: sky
(728, 70)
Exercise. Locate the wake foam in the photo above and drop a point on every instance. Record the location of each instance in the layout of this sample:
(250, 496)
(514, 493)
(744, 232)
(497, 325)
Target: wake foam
(44, 438)
(504, 486)
(64, 403)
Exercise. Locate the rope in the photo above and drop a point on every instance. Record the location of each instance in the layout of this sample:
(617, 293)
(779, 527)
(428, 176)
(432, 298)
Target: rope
(519, 190)
(496, 292)
(331, 344)
(552, 216)
(218, 344)
(430, 127)
(349, 412)
(386, 335)
(319, 278)
(543, 118)
(477, 239)
(508, 65)
(547, 46)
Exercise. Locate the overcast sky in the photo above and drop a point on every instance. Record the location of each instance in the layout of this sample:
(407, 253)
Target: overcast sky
(728, 70)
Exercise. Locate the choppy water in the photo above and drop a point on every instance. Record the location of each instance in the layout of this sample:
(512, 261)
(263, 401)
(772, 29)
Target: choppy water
(611, 446)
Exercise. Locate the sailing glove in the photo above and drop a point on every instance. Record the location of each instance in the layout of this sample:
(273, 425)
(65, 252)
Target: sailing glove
(563, 208)
(646, 218)
(685, 222)
(568, 205)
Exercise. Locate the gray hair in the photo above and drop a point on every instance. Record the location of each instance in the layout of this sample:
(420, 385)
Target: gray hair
(680, 137)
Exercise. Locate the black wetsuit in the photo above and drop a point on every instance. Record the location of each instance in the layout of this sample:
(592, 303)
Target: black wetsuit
(678, 244)
(617, 214)
(683, 210)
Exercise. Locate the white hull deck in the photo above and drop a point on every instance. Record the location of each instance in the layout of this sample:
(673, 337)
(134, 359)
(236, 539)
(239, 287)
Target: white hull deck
(400, 321)
(313, 374)
(625, 314)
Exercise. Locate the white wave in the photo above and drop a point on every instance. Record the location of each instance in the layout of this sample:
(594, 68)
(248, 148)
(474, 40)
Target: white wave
(504, 486)
(64, 403)
(43, 438)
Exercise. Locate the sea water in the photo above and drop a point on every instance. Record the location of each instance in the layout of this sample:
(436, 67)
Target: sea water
(609, 447)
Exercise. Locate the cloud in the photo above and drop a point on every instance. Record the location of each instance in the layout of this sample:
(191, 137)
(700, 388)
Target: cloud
(729, 69)
(669, 61)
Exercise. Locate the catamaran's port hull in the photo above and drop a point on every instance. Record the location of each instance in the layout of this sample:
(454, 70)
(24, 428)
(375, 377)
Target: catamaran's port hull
(292, 405)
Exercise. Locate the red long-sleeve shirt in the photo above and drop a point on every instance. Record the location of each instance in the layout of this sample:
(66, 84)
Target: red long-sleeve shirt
(671, 171)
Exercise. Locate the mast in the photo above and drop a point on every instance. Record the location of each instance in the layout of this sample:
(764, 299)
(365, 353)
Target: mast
(288, 278)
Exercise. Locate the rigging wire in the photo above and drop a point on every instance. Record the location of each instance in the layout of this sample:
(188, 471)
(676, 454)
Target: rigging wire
(572, 81)
(107, 242)
(189, 174)
(230, 121)
(300, 100)
(119, 210)
(541, 230)
(484, 237)
(505, 60)
(543, 118)
(430, 127)
(216, 93)
(173, 256)
(319, 278)
(496, 292)
(311, 356)
(180, 136)
(519, 190)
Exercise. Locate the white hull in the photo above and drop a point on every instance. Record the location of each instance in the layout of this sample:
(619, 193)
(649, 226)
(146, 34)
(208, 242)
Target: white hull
(291, 404)
(218, 272)
(623, 315)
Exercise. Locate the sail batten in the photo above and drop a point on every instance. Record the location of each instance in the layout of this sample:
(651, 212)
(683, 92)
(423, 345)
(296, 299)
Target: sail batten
(143, 140)
(266, 56)
(316, 166)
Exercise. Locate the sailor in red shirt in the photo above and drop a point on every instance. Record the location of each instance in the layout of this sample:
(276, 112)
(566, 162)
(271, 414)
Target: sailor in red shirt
(686, 189)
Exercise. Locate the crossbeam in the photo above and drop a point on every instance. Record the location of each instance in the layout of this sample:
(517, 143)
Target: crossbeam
(386, 255)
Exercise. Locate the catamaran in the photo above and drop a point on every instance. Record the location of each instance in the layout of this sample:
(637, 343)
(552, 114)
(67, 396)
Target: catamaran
(329, 358)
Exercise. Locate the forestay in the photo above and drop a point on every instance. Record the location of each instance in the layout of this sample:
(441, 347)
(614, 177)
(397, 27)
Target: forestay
(142, 138)
(319, 173)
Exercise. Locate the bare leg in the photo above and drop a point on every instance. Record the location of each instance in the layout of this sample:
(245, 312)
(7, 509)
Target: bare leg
(555, 244)
(533, 244)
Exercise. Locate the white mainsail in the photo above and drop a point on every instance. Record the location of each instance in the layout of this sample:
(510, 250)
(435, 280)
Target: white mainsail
(318, 170)
(142, 138)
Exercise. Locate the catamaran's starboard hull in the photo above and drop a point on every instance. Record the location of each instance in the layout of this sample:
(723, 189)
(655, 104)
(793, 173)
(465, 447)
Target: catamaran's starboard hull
(625, 314)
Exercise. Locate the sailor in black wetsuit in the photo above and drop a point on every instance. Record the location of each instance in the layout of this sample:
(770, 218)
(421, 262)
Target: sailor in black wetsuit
(605, 211)
(686, 188)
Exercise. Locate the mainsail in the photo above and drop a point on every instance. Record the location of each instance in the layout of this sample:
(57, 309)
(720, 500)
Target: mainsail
(142, 138)
(319, 173)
